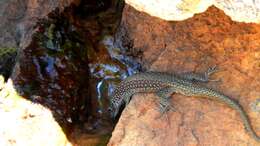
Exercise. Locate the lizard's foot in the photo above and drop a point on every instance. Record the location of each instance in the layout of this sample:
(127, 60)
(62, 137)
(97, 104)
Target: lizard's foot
(202, 77)
(164, 97)
(165, 106)
(209, 72)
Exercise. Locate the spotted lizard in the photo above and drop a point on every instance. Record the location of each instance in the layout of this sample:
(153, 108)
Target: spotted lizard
(165, 84)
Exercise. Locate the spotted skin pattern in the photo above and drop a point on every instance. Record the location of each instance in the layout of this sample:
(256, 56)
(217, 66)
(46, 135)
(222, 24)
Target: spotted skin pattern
(164, 84)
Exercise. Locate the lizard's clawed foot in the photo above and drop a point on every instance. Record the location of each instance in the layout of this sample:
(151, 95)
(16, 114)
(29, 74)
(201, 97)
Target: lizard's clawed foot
(201, 77)
(211, 71)
(165, 107)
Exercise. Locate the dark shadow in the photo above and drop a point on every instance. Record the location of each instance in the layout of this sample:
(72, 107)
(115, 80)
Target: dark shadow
(54, 69)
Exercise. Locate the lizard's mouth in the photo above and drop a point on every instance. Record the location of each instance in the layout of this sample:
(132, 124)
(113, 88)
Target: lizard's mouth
(110, 109)
(113, 111)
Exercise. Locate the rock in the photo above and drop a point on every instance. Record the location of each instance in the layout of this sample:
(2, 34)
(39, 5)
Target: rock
(18, 18)
(52, 70)
(242, 11)
(2, 82)
(207, 39)
(24, 123)
(171, 10)
(54, 65)
(7, 61)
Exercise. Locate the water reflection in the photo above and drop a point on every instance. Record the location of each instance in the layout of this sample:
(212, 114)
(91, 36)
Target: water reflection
(109, 72)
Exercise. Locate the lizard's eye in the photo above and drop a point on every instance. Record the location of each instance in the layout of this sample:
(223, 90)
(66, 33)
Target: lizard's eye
(110, 109)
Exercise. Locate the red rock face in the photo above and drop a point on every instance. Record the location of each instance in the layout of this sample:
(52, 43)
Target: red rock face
(19, 16)
(207, 39)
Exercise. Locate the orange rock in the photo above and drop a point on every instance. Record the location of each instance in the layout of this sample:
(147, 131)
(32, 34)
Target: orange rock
(192, 45)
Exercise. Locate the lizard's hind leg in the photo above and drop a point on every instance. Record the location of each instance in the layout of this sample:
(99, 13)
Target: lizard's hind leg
(204, 77)
(164, 99)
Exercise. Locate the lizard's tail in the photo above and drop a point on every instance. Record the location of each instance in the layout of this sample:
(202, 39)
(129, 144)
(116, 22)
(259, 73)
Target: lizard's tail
(235, 105)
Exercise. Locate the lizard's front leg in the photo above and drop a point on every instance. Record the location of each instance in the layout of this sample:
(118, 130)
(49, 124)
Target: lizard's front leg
(200, 77)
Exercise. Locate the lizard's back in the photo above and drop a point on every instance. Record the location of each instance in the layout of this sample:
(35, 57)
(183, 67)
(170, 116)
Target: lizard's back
(156, 82)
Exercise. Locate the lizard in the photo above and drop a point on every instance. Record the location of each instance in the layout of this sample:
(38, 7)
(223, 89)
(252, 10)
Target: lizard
(165, 84)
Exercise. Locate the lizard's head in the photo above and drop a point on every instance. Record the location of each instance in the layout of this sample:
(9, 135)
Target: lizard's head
(113, 108)
(116, 102)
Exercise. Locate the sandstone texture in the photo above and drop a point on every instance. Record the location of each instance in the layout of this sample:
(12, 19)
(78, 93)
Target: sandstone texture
(242, 10)
(207, 39)
(24, 123)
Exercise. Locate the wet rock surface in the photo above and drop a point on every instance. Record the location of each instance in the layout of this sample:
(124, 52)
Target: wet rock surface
(53, 70)
(62, 55)
(207, 39)
(19, 16)
(7, 61)
(66, 67)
